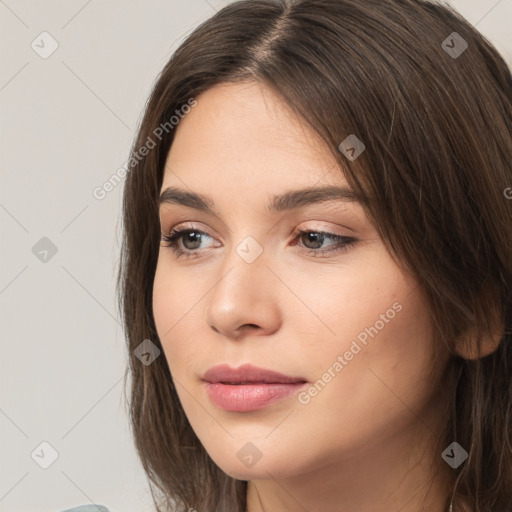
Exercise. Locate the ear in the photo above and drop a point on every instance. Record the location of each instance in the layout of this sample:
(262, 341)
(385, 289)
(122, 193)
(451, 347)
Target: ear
(468, 347)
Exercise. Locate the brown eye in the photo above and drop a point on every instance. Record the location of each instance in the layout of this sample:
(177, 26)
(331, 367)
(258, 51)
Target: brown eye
(312, 241)
(190, 240)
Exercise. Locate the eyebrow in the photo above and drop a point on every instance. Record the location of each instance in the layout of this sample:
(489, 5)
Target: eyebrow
(285, 202)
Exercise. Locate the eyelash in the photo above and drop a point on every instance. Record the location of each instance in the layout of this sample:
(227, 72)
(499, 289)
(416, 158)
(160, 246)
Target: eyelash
(344, 242)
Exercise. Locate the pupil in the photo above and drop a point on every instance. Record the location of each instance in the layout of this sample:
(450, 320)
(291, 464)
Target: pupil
(190, 237)
(317, 240)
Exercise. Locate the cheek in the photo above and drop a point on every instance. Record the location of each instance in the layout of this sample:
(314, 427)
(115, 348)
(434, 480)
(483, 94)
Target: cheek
(176, 310)
(347, 301)
(385, 372)
(380, 352)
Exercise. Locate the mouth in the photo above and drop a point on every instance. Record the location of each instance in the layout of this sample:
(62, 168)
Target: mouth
(248, 374)
(248, 388)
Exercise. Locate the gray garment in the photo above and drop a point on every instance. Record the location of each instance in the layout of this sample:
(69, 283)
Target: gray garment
(87, 508)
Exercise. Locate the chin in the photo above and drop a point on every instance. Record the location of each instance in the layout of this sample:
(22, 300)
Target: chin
(248, 464)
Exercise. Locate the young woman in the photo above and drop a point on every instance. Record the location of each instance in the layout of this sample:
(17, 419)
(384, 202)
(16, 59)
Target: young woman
(317, 263)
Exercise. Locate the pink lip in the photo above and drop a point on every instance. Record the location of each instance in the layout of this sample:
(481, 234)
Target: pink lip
(248, 388)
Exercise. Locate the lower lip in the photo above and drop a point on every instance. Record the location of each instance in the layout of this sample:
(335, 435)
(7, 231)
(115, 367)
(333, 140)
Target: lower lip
(249, 397)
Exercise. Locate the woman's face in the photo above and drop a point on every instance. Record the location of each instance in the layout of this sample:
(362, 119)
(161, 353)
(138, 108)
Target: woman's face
(336, 316)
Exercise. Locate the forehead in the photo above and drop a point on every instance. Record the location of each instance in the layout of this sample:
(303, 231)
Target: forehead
(243, 138)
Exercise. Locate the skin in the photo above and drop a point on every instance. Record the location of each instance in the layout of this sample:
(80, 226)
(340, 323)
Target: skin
(366, 441)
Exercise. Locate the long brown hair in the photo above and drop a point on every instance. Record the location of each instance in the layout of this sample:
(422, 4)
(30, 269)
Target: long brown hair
(434, 110)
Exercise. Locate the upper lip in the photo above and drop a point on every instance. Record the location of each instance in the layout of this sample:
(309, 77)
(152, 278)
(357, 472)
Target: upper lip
(247, 373)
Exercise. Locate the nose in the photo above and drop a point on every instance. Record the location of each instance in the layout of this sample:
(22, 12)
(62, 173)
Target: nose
(244, 299)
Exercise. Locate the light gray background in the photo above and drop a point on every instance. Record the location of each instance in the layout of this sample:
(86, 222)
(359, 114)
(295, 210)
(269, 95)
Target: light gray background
(67, 123)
